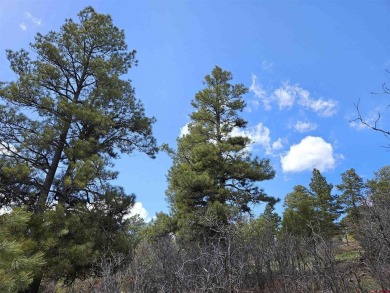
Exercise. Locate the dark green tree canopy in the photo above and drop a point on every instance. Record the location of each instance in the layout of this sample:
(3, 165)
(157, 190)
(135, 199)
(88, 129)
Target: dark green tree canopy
(379, 186)
(69, 113)
(352, 188)
(299, 213)
(212, 170)
(326, 205)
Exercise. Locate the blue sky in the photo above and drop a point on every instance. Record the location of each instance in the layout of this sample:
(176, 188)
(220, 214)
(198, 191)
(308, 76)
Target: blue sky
(306, 64)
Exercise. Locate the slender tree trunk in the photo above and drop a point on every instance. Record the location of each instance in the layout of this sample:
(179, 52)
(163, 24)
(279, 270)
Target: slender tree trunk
(57, 156)
(53, 167)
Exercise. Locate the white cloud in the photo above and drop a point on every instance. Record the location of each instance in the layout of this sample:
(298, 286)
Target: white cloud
(35, 20)
(277, 144)
(304, 126)
(287, 96)
(322, 107)
(184, 130)
(22, 26)
(139, 210)
(311, 152)
(260, 93)
(259, 135)
(285, 99)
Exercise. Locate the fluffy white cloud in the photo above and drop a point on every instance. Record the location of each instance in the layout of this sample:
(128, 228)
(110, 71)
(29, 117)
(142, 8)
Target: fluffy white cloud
(304, 126)
(260, 135)
(311, 152)
(260, 93)
(139, 210)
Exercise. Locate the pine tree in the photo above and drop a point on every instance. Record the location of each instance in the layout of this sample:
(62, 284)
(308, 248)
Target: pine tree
(299, 214)
(269, 221)
(326, 205)
(352, 188)
(68, 114)
(213, 176)
(379, 186)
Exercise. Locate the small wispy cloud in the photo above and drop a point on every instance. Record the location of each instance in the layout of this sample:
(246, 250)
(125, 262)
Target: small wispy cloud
(267, 66)
(23, 26)
(375, 117)
(33, 19)
(304, 126)
(289, 95)
(260, 93)
(325, 108)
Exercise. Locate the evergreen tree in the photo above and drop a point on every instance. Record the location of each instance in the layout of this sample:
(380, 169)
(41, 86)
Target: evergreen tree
(66, 117)
(326, 205)
(269, 222)
(352, 188)
(379, 186)
(299, 213)
(213, 176)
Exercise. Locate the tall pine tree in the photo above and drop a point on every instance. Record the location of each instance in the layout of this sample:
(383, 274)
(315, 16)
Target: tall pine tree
(213, 176)
(68, 114)
(352, 188)
(326, 206)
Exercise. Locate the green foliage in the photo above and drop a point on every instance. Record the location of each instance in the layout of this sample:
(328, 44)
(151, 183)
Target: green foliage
(69, 113)
(379, 186)
(74, 242)
(64, 119)
(326, 205)
(313, 210)
(213, 177)
(352, 188)
(299, 214)
(18, 260)
(160, 227)
(267, 224)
